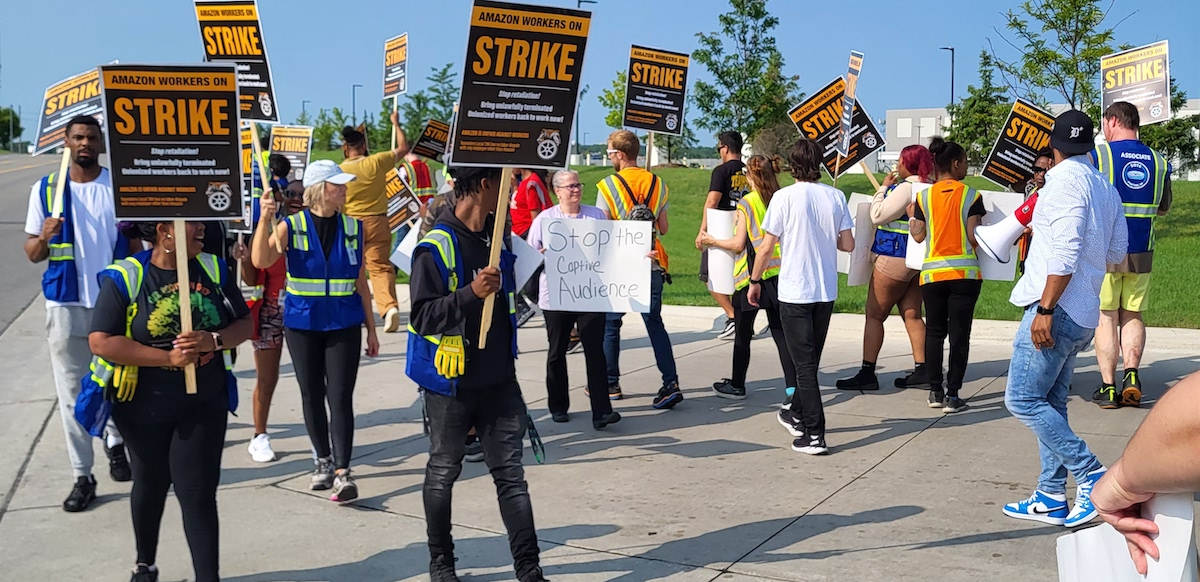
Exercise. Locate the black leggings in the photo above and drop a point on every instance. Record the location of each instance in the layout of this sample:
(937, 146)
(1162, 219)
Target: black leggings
(949, 310)
(744, 332)
(187, 454)
(326, 364)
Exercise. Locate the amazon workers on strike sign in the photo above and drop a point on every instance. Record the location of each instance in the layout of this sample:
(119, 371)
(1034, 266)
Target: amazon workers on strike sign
(173, 141)
(656, 90)
(232, 33)
(520, 85)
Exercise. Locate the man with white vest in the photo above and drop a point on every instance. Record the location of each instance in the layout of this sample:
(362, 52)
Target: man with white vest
(77, 234)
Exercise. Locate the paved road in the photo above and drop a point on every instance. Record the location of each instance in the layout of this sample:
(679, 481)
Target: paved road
(21, 279)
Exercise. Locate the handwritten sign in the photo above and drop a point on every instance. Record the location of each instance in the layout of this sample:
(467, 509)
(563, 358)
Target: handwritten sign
(598, 265)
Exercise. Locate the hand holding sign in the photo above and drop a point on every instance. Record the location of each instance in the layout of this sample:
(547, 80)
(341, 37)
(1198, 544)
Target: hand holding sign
(486, 282)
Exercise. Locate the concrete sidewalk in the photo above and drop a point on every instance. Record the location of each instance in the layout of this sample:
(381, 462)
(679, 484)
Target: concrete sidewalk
(707, 491)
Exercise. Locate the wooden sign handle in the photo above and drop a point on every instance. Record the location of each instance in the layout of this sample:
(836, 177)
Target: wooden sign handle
(489, 302)
(837, 168)
(264, 177)
(185, 295)
(395, 108)
(64, 168)
(870, 175)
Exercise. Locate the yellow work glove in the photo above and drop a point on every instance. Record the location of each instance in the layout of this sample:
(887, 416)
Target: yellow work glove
(451, 358)
(125, 380)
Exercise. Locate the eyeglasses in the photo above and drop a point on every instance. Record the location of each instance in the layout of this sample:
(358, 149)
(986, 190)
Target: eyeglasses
(611, 152)
(575, 186)
(1037, 170)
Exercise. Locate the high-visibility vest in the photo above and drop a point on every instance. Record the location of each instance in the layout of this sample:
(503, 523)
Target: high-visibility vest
(320, 292)
(615, 193)
(1131, 177)
(421, 183)
(752, 208)
(109, 383)
(442, 242)
(61, 280)
(891, 239)
(949, 255)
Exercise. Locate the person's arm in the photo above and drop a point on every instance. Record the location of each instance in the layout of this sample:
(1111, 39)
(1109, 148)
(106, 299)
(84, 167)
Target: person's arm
(1066, 227)
(715, 183)
(263, 250)
(364, 292)
(916, 222)
(1164, 205)
(845, 242)
(1118, 245)
(434, 309)
(735, 245)
(973, 223)
(661, 222)
(107, 336)
(402, 147)
(39, 228)
(887, 207)
(250, 273)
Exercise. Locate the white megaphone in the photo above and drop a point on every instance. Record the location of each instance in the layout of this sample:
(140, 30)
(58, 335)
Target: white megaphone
(997, 240)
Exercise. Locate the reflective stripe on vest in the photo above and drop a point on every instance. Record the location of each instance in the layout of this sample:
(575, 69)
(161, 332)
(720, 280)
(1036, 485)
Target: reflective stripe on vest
(62, 252)
(1107, 166)
(321, 287)
(441, 241)
(299, 231)
(960, 261)
(751, 206)
(422, 193)
(899, 226)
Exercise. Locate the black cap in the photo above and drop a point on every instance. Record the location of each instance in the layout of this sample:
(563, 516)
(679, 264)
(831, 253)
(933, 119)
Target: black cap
(1074, 133)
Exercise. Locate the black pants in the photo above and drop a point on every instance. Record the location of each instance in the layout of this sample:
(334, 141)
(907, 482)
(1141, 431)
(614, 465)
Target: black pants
(805, 325)
(949, 310)
(591, 333)
(744, 332)
(187, 454)
(499, 416)
(326, 364)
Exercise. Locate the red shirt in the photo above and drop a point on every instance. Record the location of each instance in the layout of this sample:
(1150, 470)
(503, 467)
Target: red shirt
(531, 195)
(273, 279)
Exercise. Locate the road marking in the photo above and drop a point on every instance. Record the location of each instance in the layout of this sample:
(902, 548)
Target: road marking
(5, 171)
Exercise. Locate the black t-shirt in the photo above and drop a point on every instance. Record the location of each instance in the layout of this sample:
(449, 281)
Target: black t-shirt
(327, 228)
(730, 180)
(161, 394)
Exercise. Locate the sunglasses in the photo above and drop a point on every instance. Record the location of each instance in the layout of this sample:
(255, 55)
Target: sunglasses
(1037, 170)
(611, 152)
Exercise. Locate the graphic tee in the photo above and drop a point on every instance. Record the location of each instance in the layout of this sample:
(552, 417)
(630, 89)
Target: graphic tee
(730, 180)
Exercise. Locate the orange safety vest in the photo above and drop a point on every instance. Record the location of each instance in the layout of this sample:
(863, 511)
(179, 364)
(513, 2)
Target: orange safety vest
(949, 255)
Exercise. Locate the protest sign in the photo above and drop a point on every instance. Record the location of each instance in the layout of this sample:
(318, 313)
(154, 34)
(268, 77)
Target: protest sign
(246, 224)
(819, 119)
(432, 141)
(1025, 132)
(598, 265)
(720, 261)
(655, 90)
(402, 204)
(1141, 76)
(71, 97)
(857, 264)
(232, 33)
(395, 66)
(520, 85)
(172, 140)
(293, 142)
(998, 205)
(848, 103)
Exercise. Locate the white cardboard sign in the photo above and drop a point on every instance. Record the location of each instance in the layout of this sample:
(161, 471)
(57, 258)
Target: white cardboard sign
(598, 265)
(856, 265)
(720, 261)
(998, 205)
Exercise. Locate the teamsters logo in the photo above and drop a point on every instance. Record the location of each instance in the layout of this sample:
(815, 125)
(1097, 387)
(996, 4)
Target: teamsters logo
(868, 140)
(264, 103)
(672, 121)
(547, 144)
(219, 196)
(1156, 109)
(1136, 175)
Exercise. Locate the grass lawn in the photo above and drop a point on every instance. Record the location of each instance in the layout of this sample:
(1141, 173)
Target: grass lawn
(1178, 248)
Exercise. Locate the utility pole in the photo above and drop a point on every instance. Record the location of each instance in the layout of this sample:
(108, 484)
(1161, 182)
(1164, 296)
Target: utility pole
(354, 104)
(304, 106)
(951, 49)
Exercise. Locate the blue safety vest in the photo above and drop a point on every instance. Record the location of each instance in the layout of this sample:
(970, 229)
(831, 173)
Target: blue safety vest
(891, 239)
(61, 281)
(320, 292)
(1140, 175)
(442, 243)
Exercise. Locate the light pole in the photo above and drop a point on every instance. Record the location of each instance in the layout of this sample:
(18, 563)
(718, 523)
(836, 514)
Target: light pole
(951, 49)
(579, 4)
(304, 106)
(354, 104)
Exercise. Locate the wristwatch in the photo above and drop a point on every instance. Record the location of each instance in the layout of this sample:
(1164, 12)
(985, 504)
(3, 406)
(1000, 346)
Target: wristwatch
(1043, 311)
(758, 282)
(217, 343)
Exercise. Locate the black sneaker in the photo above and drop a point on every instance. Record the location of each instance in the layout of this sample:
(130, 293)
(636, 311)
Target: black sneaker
(614, 392)
(118, 464)
(82, 495)
(474, 452)
(668, 397)
(441, 569)
(728, 331)
(143, 573)
(953, 404)
(864, 380)
(908, 380)
(789, 421)
(1131, 389)
(1106, 397)
(575, 344)
(611, 418)
(726, 389)
(813, 444)
(937, 398)
(560, 417)
(525, 312)
(534, 575)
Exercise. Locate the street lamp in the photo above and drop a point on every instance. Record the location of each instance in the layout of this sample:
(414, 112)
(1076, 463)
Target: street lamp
(354, 104)
(579, 105)
(951, 49)
(304, 106)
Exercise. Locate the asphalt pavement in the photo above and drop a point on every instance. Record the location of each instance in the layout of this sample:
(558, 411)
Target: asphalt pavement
(21, 279)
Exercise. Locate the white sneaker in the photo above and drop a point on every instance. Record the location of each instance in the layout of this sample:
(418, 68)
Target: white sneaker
(260, 449)
(391, 321)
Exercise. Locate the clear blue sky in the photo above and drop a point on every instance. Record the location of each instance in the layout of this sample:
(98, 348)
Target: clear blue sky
(319, 48)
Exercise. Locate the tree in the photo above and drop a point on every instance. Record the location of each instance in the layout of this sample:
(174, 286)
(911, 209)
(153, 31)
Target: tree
(674, 145)
(328, 127)
(303, 119)
(751, 91)
(776, 139)
(1060, 43)
(977, 119)
(8, 133)
(443, 92)
(414, 112)
(612, 100)
(1176, 139)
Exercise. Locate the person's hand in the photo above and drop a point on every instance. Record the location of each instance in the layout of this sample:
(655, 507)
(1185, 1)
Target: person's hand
(700, 240)
(395, 117)
(372, 344)
(486, 282)
(267, 207)
(239, 251)
(754, 293)
(179, 358)
(1041, 331)
(652, 255)
(890, 179)
(50, 228)
(195, 341)
(912, 209)
(706, 240)
(1028, 230)
(1121, 509)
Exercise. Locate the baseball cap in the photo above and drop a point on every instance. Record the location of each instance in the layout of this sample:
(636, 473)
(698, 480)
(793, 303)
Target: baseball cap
(1073, 133)
(326, 171)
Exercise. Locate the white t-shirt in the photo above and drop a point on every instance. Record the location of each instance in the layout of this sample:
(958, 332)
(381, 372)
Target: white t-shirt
(807, 218)
(94, 222)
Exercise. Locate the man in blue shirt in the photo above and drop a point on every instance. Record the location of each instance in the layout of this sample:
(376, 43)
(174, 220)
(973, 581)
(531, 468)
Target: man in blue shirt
(1143, 178)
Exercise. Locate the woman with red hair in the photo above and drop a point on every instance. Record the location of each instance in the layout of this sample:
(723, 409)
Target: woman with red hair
(892, 282)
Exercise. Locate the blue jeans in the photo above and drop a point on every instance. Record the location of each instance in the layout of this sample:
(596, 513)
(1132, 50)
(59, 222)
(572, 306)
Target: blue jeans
(659, 340)
(1038, 381)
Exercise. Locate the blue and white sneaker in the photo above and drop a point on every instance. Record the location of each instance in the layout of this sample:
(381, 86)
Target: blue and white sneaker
(1084, 511)
(1043, 507)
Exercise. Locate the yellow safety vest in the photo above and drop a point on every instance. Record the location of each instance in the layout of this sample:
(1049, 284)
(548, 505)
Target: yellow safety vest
(751, 206)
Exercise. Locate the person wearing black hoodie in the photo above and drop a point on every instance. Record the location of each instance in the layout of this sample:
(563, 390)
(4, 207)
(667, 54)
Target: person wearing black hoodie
(450, 280)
